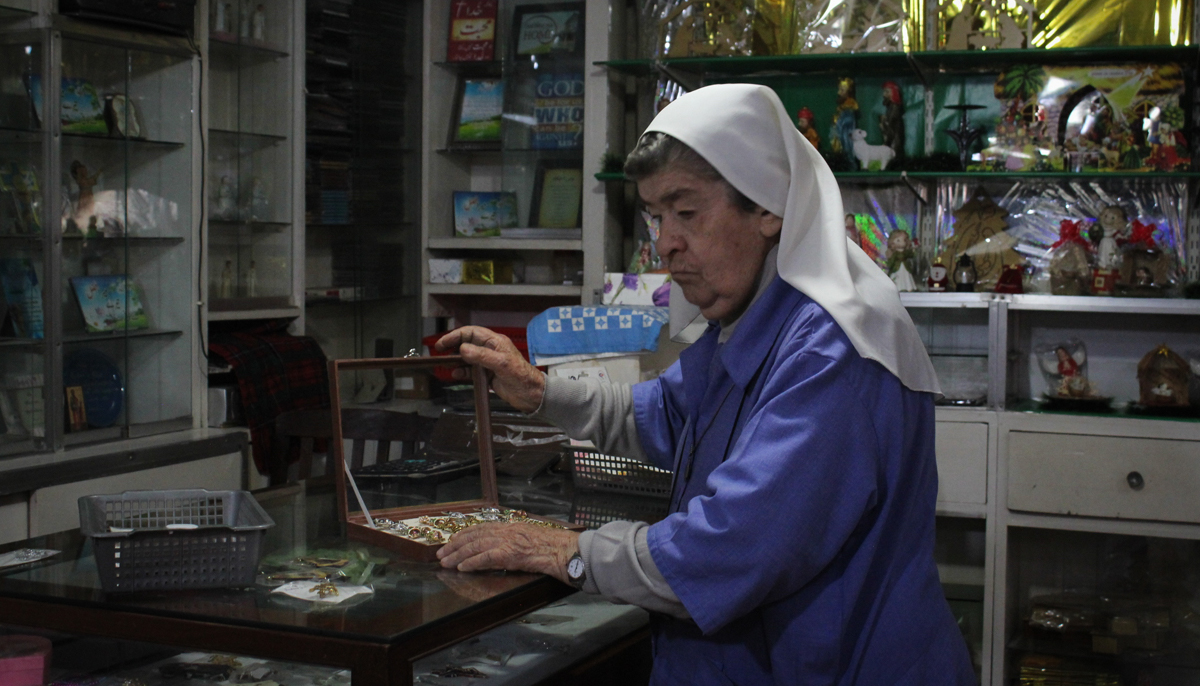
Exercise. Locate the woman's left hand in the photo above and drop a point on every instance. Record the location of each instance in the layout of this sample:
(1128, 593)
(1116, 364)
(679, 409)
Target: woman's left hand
(519, 547)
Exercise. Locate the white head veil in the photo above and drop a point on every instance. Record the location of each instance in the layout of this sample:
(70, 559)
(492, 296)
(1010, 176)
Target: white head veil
(744, 132)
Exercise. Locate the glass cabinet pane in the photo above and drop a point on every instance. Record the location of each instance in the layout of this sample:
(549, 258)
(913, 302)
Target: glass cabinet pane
(126, 222)
(250, 156)
(22, 254)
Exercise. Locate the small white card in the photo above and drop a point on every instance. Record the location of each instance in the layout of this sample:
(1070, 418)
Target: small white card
(580, 373)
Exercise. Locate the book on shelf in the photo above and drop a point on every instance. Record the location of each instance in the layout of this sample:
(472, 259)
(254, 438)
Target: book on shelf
(472, 31)
(333, 293)
(543, 234)
(558, 112)
(109, 303)
(22, 314)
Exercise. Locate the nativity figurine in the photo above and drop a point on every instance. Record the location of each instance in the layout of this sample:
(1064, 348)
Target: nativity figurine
(901, 260)
(1163, 379)
(804, 122)
(891, 122)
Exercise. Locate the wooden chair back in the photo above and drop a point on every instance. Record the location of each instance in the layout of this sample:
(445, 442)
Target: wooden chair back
(359, 426)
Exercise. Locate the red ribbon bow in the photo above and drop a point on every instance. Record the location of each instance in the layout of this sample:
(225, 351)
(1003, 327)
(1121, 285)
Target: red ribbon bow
(1142, 234)
(1068, 232)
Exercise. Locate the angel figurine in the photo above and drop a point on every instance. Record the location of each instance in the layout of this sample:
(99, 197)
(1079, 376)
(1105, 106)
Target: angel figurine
(1113, 222)
(1064, 366)
(901, 259)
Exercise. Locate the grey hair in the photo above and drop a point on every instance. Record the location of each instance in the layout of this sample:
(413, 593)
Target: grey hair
(656, 151)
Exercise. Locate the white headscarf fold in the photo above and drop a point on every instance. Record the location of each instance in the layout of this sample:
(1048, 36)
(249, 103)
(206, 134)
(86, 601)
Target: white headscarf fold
(745, 133)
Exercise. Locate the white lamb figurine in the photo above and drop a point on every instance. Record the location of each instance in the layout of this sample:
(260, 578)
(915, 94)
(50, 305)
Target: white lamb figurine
(867, 153)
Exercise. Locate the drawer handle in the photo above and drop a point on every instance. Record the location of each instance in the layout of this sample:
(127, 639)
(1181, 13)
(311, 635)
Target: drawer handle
(1135, 481)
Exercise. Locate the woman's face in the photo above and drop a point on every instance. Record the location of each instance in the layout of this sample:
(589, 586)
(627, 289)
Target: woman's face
(713, 249)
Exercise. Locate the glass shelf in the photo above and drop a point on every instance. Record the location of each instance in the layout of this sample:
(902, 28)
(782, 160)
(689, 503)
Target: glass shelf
(97, 141)
(87, 337)
(7, 13)
(20, 342)
(255, 140)
(132, 241)
(265, 50)
(16, 135)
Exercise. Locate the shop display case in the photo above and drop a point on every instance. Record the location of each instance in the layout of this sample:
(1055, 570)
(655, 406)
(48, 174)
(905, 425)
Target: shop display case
(251, 201)
(98, 224)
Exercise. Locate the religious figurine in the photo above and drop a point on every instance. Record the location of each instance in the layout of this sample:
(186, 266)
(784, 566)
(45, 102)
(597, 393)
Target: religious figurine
(85, 206)
(939, 277)
(1064, 366)
(1011, 279)
(901, 260)
(1163, 378)
(845, 121)
(226, 203)
(891, 122)
(866, 153)
(1145, 269)
(804, 121)
(226, 290)
(1112, 222)
(964, 275)
(852, 230)
(244, 25)
(221, 18)
(258, 22)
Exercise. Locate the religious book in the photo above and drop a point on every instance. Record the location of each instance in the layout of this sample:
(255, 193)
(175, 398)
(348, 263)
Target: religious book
(109, 303)
(558, 112)
(22, 314)
(472, 31)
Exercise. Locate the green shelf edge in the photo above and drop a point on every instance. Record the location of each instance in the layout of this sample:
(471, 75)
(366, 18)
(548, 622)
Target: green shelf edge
(923, 175)
(1033, 407)
(949, 60)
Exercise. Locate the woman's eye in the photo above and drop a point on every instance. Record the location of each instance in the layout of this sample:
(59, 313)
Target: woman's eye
(686, 214)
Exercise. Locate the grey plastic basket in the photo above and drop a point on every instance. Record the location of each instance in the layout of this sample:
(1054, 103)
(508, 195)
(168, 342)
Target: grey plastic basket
(175, 539)
(595, 471)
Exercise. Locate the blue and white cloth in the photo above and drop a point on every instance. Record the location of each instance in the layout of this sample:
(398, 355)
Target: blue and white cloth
(583, 330)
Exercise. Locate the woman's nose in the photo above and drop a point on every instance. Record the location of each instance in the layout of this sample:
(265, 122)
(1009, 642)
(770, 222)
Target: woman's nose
(670, 240)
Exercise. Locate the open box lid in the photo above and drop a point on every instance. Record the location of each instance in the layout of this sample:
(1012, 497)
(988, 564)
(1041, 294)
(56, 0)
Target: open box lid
(352, 513)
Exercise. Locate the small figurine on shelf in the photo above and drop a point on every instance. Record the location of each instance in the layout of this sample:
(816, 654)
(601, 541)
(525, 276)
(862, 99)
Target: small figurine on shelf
(1070, 266)
(85, 205)
(1064, 366)
(1145, 269)
(964, 274)
(244, 24)
(258, 24)
(251, 281)
(804, 121)
(226, 289)
(93, 228)
(1011, 279)
(901, 260)
(852, 230)
(259, 209)
(1163, 378)
(868, 154)
(939, 277)
(226, 200)
(891, 122)
(1112, 222)
(845, 121)
(220, 17)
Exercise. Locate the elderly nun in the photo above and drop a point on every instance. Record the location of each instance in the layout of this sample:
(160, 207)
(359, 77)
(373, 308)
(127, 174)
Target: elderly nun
(799, 426)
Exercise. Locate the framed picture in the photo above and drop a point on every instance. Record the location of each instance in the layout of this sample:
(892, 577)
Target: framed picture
(484, 214)
(76, 410)
(557, 195)
(472, 31)
(553, 29)
(109, 303)
(478, 106)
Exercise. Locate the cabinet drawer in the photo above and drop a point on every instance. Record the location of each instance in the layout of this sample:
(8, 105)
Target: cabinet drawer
(962, 450)
(1104, 476)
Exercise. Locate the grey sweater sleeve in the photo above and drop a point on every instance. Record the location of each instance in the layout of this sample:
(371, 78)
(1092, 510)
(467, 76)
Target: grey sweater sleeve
(617, 561)
(598, 412)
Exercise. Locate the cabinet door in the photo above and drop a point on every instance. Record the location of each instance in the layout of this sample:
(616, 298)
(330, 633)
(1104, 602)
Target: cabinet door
(1104, 476)
(962, 451)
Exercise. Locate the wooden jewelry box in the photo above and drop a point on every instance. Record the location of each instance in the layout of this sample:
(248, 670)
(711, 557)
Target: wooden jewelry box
(418, 531)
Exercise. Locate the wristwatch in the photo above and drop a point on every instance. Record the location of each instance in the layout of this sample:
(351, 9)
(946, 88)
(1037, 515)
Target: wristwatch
(576, 571)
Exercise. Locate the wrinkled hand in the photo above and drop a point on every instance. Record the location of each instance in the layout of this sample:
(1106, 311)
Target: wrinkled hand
(516, 547)
(513, 379)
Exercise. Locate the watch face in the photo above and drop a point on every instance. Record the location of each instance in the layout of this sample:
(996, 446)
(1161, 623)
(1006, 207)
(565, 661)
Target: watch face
(575, 568)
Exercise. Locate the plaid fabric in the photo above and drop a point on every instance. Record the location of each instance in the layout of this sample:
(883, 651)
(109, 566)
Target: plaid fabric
(276, 373)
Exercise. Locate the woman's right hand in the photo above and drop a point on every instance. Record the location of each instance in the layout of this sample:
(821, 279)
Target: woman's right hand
(515, 380)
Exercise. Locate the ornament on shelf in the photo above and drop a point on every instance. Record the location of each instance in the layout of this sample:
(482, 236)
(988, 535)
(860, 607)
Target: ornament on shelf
(1145, 268)
(901, 260)
(965, 136)
(226, 209)
(845, 121)
(868, 154)
(258, 208)
(251, 281)
(223, 18)
(986, 25)
(852, 230)
(979, 231)
(1011, 279)
(965, 276)
(258, 24)
(244, 25)
(707, 28)
(804, 122)
(1112, 223)
(1070, 261)
(891, 122)
(1163, 378)
(939, 277)
(1064, 367)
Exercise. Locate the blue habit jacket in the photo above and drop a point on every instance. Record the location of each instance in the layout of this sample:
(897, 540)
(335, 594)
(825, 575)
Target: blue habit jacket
(801, 530)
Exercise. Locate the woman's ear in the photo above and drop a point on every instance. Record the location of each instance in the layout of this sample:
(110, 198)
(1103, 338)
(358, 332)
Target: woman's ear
(769, 225)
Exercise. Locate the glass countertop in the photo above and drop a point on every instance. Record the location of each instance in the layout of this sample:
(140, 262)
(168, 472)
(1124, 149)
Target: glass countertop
(408, 596)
